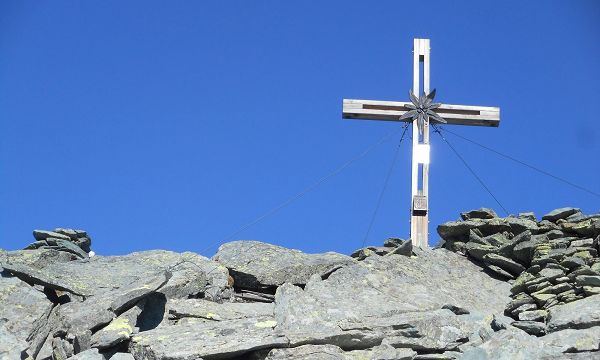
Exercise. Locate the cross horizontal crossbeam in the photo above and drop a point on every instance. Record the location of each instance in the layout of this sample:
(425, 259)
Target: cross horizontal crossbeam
(393, 110)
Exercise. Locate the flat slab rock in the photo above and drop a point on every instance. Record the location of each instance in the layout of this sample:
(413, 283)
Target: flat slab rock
(90, 354)
(332, 352)
(38, 258)
(211, 311)
(426, 282)
(254, 264)
(561, 213)
(580, 314)
(207, 340)
(573, 340)
(482, 213)
(100, 274)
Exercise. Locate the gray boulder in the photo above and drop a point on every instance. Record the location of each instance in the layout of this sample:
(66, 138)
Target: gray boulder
(498, 240)
(122, 356)
(574, 341)
(119, 329)
(99, 310)
(365, 252)
(457, 229)
(207, 340)
(204, 310)
(479, 251)
(482, 213)
(190, 273)
(332, 352)
(504, 263)
(533, 315)
(587, 280)
(405, 249)
(38, 258)
(393, 242)
(572, 262)
(580, 314)
(460, 229)
(523, 251)
(91, 354)
(41, 235)
(531, 327)
(585, 228)
(561, 213)
(511, 343)
(11, 343)
(518, 225)
(499, 271)
(527, 215)
(255, 265)
(583, 243)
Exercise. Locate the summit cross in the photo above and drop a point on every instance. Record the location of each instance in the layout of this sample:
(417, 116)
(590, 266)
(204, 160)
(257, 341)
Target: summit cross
(422, 110)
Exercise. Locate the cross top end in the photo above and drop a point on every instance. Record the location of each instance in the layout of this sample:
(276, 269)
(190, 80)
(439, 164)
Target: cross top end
(421, 110)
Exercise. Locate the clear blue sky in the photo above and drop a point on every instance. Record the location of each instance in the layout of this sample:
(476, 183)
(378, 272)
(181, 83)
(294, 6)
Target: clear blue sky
(172, 124)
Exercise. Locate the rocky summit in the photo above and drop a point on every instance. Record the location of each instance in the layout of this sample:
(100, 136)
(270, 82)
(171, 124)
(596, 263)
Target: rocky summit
(494, 288)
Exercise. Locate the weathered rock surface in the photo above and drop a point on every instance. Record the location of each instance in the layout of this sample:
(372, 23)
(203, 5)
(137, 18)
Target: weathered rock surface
(122, 356)
(23, 310)
(332, 352)
(511, 343)
(561, 213)
(11, 343)
(90, 354)
(574, 340)
(255, 265)
(100, 274)
(119, 329)
(211, 311)
(95, 295)
(259, 301)
(207, 340)
(581, 314)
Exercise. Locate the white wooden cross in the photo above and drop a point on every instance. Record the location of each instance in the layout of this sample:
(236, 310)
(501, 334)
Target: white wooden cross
(393, 110)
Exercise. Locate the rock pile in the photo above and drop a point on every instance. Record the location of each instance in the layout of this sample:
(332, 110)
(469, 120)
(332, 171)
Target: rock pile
(257, 301)
(76, 242)
(549, 263)
(391, 246)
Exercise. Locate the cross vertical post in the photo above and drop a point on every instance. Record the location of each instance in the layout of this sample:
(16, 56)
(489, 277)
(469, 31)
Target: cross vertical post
(419, 220)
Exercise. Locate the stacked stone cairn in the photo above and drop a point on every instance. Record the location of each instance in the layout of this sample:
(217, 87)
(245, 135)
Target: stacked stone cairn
(76, 242)
(549, 262)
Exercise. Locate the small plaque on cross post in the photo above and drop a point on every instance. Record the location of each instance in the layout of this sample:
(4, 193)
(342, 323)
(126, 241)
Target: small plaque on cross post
(419, 205)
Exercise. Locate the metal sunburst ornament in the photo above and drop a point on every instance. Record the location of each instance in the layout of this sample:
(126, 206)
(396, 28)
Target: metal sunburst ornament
(422, 110)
